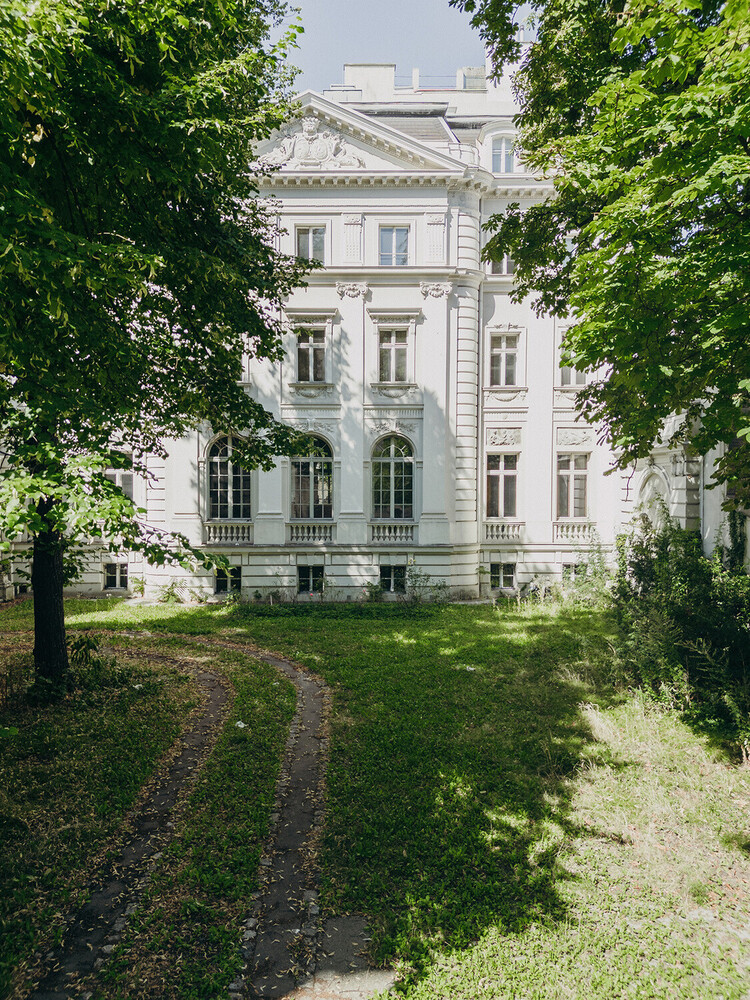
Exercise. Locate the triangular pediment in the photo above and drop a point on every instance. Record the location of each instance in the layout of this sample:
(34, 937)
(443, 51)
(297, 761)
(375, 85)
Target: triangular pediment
(327, 137)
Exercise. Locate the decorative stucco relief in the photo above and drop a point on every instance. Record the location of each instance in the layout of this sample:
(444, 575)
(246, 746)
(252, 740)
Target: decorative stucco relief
(310, 146)
(498, 395)
(308, 424)
(565, 398)
(352, 289)
(503, 436)
(393, 427)
(393, 391)
(574, 437)
(435, 289)
(311, 390)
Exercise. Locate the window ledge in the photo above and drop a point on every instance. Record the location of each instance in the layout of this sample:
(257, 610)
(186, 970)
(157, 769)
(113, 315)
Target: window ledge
(393, 390)
(311, 390)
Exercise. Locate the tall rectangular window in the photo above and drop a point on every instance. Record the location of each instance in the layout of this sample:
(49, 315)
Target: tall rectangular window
(311, 243)
(311, 355)
(392, 355)
(502, 472)
(572, 485)
(504, 359)
(503, 155)
(394, 246)
(310, 579)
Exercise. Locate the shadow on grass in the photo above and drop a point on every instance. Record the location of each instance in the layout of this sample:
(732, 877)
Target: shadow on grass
(455, 736)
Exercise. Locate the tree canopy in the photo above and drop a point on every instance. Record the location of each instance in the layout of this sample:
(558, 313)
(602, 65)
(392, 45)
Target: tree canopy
(640, 112)
(137, 266)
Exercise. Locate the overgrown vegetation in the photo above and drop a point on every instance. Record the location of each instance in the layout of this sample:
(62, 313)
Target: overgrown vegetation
(685, 623)
(513, 818)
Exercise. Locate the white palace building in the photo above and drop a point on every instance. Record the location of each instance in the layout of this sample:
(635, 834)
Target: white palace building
(446, 435)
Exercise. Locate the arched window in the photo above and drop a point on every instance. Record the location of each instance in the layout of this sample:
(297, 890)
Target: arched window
(228, 483)
(393, 479)
(312, 483)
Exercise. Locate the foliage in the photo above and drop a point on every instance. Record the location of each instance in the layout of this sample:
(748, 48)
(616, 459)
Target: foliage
(685, 622)
(640, 114)
(137, 265)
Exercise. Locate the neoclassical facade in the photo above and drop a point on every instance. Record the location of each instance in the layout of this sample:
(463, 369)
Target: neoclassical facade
(445, 434)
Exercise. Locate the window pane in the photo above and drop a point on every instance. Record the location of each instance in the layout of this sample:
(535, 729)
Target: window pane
(385, 365)
(386, 245)
(400, 375)
(319, 364)
(126, 484)
(495, 575)
(110, 576)
(509, 574)
(493, 496)
(303, 362)
(402, 246)
(318, 249)
(399, 579)
(510, 461)
(510, 368)
(236, 578)
(221, 584)
(579, 496)
(581, 461)
(303, 579)
(509, 163)
(509, 496)
(303, 243)
(562, 496)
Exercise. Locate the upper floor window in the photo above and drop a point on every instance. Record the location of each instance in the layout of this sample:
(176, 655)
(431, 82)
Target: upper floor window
(228, 483)
(394, 245)
(311, 355)
(393, 479)
(122, 478)
(504, 359)
(502, 472)
(312, 483)
(571, 376)
(503, 155)
(505, 266)
(392, 367)
(572, 485)
(311, 242)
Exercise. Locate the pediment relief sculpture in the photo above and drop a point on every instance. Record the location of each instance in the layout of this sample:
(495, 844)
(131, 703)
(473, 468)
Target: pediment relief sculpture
(312, 147)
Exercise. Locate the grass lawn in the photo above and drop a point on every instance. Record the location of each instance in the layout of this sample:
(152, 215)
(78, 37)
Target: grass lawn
(514, 822)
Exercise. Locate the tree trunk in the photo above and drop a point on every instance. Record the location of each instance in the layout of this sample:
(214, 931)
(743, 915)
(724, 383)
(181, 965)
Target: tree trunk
(50, 649)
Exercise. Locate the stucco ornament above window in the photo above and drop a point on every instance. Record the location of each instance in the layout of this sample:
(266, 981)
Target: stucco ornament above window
(310, 147)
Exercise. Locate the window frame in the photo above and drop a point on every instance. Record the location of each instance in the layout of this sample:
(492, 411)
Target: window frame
(384, 321)
(120, 575)
(317, 478)
(506, 476)
(505, 331)
(503, 147)
(501, 573)
(228, 583)
(573, 476)
(408, 481)
(502, 268)
(311, 228)
(393, 253)
(309, 319)
(313, 350)
(315, 573)
(233, 473)
(504, 353)
(388, 578)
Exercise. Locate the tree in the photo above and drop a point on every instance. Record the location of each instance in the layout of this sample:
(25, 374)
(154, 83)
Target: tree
(640, 112)
(137, 266)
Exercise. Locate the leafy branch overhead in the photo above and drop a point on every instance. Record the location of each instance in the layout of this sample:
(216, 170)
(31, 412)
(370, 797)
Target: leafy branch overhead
(138, 267)
(641, 114)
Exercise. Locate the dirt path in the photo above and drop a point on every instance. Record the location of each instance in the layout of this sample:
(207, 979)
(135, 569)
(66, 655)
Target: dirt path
(92, 934)
(288, 952)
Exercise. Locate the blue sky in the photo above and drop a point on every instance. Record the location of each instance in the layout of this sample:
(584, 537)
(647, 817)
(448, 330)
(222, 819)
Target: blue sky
(411, 33)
